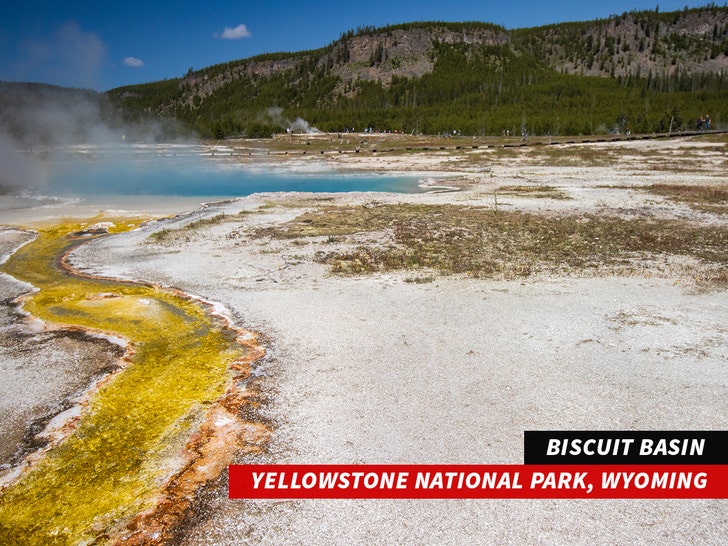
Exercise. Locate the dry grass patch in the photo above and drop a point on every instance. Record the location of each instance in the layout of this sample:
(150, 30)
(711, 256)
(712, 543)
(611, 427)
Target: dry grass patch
(168, 234)
(539, 192)
(486, 243)
(576, 154)
(706, 198)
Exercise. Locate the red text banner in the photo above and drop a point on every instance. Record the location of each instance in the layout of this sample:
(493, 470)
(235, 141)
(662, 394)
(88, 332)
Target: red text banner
(478, 481)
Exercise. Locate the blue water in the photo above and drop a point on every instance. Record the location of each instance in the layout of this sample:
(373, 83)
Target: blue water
(187, 173)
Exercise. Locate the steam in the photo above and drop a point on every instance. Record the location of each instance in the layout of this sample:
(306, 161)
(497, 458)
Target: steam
(18, 171)
(45, 115)
(46, 131)
(274, 116)
(64, 142)
(56, 120)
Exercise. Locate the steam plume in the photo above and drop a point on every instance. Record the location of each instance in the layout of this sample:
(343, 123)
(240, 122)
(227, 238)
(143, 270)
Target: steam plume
(274, 115)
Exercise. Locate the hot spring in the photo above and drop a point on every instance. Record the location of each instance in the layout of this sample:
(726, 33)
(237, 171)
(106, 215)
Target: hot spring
(201, 171)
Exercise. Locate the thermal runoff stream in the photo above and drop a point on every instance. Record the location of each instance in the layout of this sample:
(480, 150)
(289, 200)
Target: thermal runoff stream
(134, 434)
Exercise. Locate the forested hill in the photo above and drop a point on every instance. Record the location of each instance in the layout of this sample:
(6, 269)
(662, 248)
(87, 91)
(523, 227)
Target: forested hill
(640, 71)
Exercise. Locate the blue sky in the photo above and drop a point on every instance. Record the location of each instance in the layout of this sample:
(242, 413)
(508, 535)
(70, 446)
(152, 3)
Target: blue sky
(101, 45)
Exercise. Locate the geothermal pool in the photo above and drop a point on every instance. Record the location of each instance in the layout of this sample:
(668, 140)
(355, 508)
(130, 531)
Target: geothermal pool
(197, 170)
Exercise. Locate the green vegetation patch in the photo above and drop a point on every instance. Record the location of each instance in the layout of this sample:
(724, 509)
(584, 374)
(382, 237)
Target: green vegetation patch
(487, 243)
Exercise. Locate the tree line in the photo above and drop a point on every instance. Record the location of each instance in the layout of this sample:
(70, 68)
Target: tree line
(474, 88)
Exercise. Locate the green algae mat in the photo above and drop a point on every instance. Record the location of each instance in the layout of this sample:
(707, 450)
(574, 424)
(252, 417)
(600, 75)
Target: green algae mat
(132, 432)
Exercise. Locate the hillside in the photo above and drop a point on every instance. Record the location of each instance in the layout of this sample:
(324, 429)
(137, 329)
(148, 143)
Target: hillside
(636, 72)
(635, 44)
